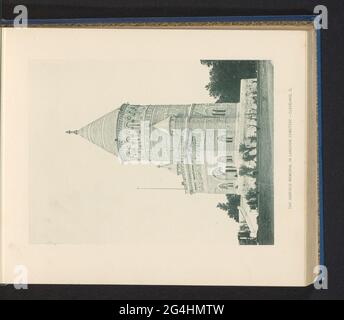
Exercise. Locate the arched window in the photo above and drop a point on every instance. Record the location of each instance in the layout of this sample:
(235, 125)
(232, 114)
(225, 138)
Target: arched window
(225, 139)
(217, 112)
(219, 173)
(133, 124)
(225, 159)
(230, 169)
(226, 186)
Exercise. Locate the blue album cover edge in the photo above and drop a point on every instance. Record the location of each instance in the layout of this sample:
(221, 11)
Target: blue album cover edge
(101, 21)
(320, 149)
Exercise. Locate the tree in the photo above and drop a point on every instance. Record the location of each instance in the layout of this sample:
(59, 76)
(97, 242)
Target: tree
(223, 206)
(243, 148)
(251, 194)
(226, 76)
(247, 171)
(252, 198)
(253, 204)
(248, 157)
(231, 206)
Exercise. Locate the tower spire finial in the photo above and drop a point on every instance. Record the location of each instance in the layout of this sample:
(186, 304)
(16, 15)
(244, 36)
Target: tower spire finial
(74, 132)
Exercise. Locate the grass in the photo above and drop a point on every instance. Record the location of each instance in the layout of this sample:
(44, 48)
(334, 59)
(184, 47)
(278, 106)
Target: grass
(265, 156)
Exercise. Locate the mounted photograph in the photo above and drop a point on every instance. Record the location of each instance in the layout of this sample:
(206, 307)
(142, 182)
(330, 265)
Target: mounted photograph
(224, 147)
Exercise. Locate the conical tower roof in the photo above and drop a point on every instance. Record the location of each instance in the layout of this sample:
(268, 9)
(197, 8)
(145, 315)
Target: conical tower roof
(102, 132)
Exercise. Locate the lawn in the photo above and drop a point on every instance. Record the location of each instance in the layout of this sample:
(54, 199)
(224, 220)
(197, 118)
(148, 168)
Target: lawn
(265, 157)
